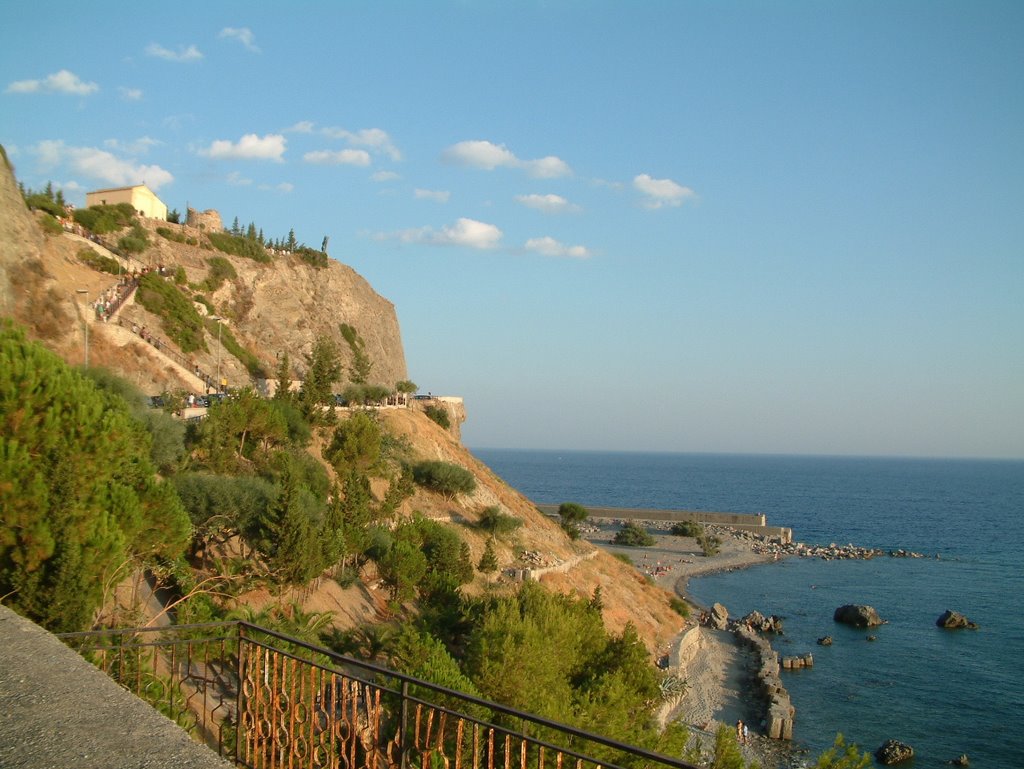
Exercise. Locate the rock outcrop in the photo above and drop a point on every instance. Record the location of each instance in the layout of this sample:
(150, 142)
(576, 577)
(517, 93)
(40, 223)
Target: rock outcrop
(719, 618)
(893, 752)
(951, 620)
(779, 710)
(858, 615)
(762, 624)
(21, 240)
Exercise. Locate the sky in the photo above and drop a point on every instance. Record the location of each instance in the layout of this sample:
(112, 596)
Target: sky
(754, 227)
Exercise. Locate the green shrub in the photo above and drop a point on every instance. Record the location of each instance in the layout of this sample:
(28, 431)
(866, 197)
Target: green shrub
(444, 478)
(98, 262)
(179, 318)
(39, 201)
(180, 276)
(686, 529)
(169, 234)
(497, 522)
(572, 514)
(709, 544)
(624, 558)
(312, 257)
(134, 242)
(246, 357)
(680, 607)
(439, 414)
(220, 270)
(632, 535)
(50, 225)
(106, 218)
(239, 246)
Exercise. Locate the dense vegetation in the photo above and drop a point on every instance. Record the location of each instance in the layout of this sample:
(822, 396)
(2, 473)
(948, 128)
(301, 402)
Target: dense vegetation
(633, 535)
(179, 317)
(106, 218)
(79, 496)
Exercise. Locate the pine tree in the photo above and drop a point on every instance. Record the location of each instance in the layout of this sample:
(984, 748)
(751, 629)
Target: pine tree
(292, 242)
(78, 493)
(488, 563)
(234, 228)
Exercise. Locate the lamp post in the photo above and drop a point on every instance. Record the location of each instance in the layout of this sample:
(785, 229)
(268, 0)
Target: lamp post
(85, 321)
(218, 318)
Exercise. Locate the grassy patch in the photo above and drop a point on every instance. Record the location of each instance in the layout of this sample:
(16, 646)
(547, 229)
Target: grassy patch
(239, 246)
(178, 316)
(98, 262)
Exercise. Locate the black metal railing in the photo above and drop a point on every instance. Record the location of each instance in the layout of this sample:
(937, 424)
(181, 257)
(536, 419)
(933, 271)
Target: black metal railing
(265, 700)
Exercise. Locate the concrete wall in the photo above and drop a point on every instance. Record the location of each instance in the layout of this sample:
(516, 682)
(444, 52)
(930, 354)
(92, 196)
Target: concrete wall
(59, 710)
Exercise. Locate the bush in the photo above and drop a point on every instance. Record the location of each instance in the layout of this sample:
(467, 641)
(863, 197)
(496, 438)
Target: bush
(686, 529)
(99, 262)
(439, 414)
(50, 225)
(239, 246)
(178, 315)
(246, 357)
(169, 234)
(632, 535)
(680, 607)
(572, 514)
(444, 478)
(40, 201)
(497, 522)
(220, 270)
(312, 257)
(134, 242)
(709, 544)
(104, 219)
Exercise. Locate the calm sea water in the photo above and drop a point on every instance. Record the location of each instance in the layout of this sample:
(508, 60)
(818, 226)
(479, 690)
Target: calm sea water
(945, 693)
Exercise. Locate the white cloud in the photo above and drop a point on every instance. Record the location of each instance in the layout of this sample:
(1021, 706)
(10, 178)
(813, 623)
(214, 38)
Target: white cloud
(241, 34)
(662, 192)
(63, 81)
(385, 176)
(488, 156)
(302, 127)
(130, 94)
(237, 180)
(377, 139)
(139, 146)
(468, 233)
(249, 147)
(548, 246)
(181, 55)
(438, 196)
(102, 165)
(284, 187)
(548, 204)
(340, 158)
(546, 168)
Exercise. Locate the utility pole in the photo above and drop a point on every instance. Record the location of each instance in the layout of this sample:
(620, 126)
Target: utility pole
(85, 321)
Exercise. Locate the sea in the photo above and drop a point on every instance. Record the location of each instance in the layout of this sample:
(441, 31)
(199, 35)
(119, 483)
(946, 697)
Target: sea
(945, 693)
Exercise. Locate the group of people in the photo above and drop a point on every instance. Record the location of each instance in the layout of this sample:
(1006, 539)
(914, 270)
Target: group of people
(742, 732)
(108, 302)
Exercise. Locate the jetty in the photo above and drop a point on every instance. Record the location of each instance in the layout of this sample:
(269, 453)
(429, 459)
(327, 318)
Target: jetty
(756, 523)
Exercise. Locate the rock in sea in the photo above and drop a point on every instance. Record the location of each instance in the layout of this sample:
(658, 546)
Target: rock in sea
(952, 620)
(825, 641)
(858, 615)
(893, 752)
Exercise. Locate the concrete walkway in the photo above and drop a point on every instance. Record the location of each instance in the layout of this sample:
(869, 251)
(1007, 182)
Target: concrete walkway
(57, 710)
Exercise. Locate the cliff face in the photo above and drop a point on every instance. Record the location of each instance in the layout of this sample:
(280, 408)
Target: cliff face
(20, 238)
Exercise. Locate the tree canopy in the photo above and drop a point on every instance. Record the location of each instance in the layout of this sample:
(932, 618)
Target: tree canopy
(79, 494)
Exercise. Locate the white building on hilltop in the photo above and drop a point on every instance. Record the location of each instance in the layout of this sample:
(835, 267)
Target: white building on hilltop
(141, 197)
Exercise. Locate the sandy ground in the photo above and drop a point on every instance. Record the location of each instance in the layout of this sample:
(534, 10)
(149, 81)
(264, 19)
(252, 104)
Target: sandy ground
(716, 670)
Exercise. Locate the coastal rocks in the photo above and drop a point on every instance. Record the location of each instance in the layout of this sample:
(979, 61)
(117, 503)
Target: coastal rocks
(719, 618)
(825, 641)
(893, 752)
(762, 624)
(951, 620)
(798, 662)
(779, 708)
(858, 615)
(961, 760)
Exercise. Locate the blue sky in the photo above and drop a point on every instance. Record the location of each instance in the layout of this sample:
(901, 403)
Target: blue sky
(785, 227)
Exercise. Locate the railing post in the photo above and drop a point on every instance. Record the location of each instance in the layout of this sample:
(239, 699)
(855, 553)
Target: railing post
(403, 733)
(241, 688)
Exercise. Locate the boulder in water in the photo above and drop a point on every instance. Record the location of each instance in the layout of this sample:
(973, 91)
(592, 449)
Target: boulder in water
(825, 641)
(952, 620)
(893, 752)
(962, 760)
(858, 615)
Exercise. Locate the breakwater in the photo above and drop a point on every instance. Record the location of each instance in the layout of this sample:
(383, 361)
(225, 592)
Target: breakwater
(756, 523)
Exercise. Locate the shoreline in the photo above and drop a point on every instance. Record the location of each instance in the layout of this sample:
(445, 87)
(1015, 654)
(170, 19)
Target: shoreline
(718, 671)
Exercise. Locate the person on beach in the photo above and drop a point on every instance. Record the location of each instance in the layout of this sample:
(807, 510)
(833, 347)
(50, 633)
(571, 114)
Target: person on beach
(739, 732)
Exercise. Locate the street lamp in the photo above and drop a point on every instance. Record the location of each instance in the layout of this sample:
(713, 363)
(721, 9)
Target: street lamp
(218, 318)
(85, 322)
